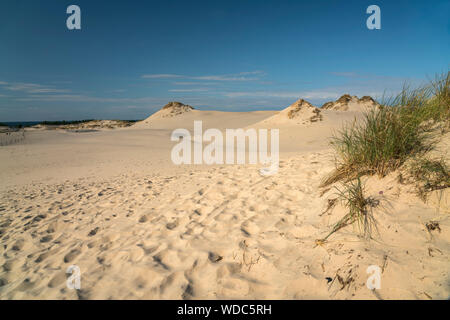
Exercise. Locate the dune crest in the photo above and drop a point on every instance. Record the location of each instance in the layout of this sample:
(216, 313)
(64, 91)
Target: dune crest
(350, 103)
(170, 110)
(300, 112)
(175, 108)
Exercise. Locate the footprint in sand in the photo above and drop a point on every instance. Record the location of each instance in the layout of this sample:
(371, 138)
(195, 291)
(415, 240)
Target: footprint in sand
(57, 280)
(18, 245)
(93, 232)
(71, 255)
(172, 225)
(25, 285)
(42, 257)
(46, 238)
(39, 217)
(3, 282)
(5, 224)
(8, 265)
(214, 257)
(143, 219)
(249, 228)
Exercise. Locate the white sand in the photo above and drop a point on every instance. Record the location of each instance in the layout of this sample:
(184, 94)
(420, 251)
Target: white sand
(112, 203)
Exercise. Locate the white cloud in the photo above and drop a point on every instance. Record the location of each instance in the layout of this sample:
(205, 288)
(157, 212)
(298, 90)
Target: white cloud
(293, 95)
(242, 76)
(85, 98)
(161, 76)
(344, 74)
(32, 88)
(48, 90)
(188, 90)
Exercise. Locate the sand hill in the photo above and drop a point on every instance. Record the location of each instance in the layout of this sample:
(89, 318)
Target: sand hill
(172, 109)
(178, 115)
(351, 103)
(300, 112)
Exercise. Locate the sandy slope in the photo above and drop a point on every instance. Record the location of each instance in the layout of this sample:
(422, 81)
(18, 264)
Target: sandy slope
(139, 227)
(210, 119)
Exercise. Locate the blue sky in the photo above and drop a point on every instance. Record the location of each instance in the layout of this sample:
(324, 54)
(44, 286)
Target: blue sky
(132, 57)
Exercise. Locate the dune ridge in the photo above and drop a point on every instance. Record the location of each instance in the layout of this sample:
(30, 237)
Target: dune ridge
(350, 103)
(300, 112)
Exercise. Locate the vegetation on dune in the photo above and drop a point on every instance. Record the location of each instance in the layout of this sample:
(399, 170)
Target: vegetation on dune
(64, 122)
(404, 127)
(378, 145)
(360, 209)
(75, 122)
(429, 175)
(403, 130)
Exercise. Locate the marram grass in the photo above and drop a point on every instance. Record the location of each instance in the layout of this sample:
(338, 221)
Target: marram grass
(402, 128)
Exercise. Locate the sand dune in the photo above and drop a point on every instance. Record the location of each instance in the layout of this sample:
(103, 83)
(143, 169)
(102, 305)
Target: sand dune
(140, 227)
(300, 112)
(351, 103)
(177, 115)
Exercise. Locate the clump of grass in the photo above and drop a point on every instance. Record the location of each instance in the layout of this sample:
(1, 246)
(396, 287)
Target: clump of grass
(378, 145)
(360, 209)
(402, 128)
(429, 103)
(430, 175)
(438, 107)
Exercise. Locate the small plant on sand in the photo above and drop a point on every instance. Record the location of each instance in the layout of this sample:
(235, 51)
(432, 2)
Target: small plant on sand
(430, 175)
(360, 209)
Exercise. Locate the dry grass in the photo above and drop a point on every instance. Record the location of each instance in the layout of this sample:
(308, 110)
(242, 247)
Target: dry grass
(429, 175)
(360, 209)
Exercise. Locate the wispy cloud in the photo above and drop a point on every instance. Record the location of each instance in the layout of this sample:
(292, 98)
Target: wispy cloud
(48, 90)
(189, 90)
(191, 83)
(344, 74)
(294, 95)
(85, 98)
(242, 76)
(31, 88)
(162, 76)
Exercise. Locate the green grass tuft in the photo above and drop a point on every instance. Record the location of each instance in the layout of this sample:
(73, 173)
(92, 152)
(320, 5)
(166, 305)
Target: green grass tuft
(360, 209)
(404, 127)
